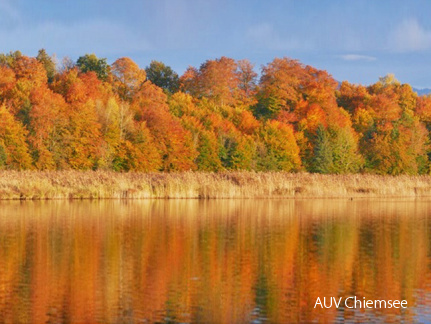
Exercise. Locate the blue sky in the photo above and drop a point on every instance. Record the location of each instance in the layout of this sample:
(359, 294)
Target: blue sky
(356, 41)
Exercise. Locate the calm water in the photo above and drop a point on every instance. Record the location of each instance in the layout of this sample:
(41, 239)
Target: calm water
(235, 261)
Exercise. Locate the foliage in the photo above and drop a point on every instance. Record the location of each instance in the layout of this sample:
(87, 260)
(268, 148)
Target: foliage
(223, 81)
(174, 143)
(91, 63)
(127, 77)
(279, 151)
(14, 150)
(279, 85)
(213, 118)
(163, 76)
(48, 63)
(336, 151)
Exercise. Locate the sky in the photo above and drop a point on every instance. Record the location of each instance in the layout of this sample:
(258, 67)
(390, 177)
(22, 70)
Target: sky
(357, 41)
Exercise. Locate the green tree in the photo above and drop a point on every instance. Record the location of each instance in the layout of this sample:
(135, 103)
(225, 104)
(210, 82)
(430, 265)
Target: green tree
(48, 63)
(345, 154)
(323, 159)
(10, 58)
(237, 152)
(3, 157)
(163, 76)
(336, 151)
(90, 62)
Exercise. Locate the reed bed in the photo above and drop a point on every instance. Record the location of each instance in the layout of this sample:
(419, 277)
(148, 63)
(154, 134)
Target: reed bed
(200, 185)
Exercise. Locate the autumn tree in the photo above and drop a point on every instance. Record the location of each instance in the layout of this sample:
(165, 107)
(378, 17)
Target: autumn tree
(216, 80)
(352, 97)
(205, 142)
(204, 139)
(174, 143)
(146, 155)
(247, 87)
(81, 91)
(30, 75)
(279, 87)
(80, 87)
(7, 83)
(181, 104)
(14, 151)
(127, 78)
(407, 98)
(30, 69)
(190, 82)
(278, 150)
(394, 140)
(423, 110)
(124, 118)
(82, 148)
(138, 153)
(319, 87)
(246, 122)
(403, 149)
(115, 120)
(128, 144)
(48, 126)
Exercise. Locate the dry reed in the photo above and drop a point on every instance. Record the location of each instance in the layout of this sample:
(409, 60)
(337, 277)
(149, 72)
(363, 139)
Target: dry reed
(201, 185)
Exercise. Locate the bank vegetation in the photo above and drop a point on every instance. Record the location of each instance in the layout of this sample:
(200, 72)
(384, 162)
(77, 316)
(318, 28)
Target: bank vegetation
(35, 185)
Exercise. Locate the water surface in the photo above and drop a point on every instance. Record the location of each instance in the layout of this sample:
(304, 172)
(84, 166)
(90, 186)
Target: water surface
(224, 261)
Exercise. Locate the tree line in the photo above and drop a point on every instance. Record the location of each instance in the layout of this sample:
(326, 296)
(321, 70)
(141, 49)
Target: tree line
(91, 115)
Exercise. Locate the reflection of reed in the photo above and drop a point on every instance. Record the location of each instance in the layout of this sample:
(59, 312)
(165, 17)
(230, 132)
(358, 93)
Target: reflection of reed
(224, 261)
(201, 185)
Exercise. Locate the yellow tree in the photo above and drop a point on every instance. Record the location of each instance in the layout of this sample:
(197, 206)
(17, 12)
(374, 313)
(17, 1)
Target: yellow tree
(83, 145)
(279, 150)
(13, 147)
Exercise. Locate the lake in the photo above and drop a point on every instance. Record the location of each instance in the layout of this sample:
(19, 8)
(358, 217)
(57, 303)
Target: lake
(212, 261)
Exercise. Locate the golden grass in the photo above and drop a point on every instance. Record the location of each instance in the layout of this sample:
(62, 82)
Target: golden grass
(105, 184)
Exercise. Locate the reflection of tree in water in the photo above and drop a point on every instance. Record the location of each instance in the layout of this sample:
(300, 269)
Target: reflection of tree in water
(214, 261)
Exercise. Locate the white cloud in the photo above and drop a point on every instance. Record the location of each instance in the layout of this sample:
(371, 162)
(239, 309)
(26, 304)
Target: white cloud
(99, 36)
(410, 36)
(357, 57)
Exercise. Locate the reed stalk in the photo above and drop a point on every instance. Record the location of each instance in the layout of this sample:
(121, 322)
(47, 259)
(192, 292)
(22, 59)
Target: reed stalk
(201, 185)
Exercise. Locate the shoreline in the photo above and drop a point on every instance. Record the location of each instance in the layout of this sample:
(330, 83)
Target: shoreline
(45, 185)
